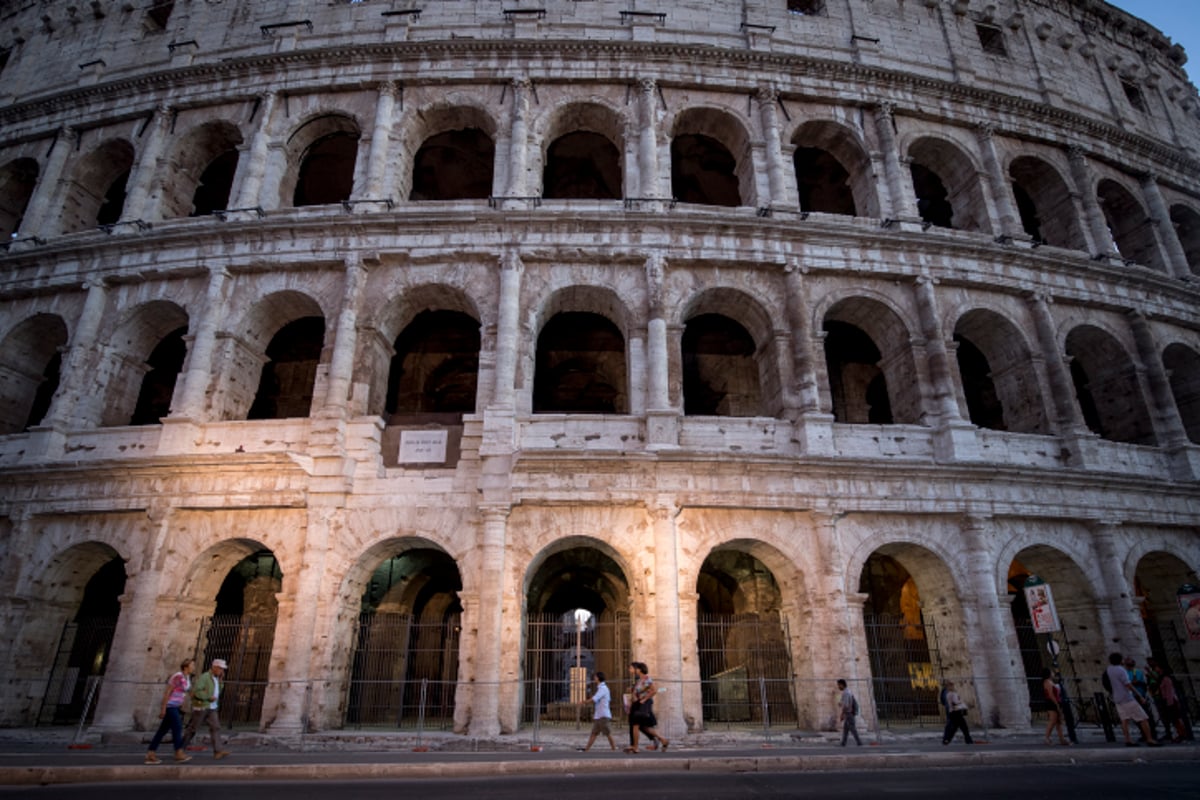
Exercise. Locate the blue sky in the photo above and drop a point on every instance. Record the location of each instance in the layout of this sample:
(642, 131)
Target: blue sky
(1178, 19)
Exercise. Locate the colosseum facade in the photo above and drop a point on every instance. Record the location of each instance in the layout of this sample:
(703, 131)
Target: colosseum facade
(418, 358)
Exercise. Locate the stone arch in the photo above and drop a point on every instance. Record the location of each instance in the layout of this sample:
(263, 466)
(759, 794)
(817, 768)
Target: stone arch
(729, 357)
(200, 171)
(1158, 578)
(1131, 227)
(397, 626)
(321, 156)
(1044, 203)
(999, 382)
(872, 371)
(833, 170)
(454, 153)
(141, 363)
(915, 628)
(18, 178)
(583, 153)
(581, 360)
(435, 369)
(947, 185)
(710, 159)
(1182, 364)
(298, 351)
(30, 360)
(1186, 221)
(95, 192)
(1107, 387)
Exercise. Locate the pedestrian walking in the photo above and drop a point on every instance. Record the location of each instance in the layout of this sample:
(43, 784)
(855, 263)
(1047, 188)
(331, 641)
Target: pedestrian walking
(206, 697)
(641, 710)
(601, 713)
(847, 711)
(1053, 695)
(1129, 709)
(956, 715)
(171, 714)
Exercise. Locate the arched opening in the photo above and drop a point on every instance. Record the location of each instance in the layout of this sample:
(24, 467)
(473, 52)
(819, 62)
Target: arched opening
(454, 165)
(580, 366)
(1183, 369)
(322, 153)
(242, 631)
(582, 165)
(916, 634)
(404, 662)
(742, 642)
(216, 182)
(1079, 641)
(947, 186)
(1044, 203)
(720, 374)
(141, 362)
(435, 369)
(96, 193)
(999, 382)
(285, 388)
(200, 171)
(1187, 227)
(1157, 581)
(1131, 228)
(82, 655)
(158, 384)
(857, 386)
(30, 360)
(1107, 387)
(833, 170)
(577, 623)
(823, 182)
(18, 179)
(710, 164)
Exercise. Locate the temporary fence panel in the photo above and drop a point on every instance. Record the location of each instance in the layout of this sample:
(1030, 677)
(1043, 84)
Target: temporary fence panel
(906, 670)
(245, 643)
(79, 664)
(562, 652)
(745, 669)
(393, 657)
(1036, 656)
(1167, 643)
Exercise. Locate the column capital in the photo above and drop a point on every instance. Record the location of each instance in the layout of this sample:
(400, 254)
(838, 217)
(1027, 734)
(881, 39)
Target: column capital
(389, 88)
(985, 130)
(510, 261)
(647, 85)
(886, 108)
(1076, 152)
(767, 94)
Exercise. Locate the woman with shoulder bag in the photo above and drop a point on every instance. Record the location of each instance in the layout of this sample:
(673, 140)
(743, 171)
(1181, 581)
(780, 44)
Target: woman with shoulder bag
(641, 709)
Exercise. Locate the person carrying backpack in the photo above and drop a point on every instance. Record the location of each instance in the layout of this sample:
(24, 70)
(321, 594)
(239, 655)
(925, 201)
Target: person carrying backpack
(847, 711)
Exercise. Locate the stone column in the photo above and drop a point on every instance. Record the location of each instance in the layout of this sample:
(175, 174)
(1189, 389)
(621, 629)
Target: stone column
(647, 139)
(668, 632)
(658, 366)
(903, 200)
(945, 395)
(1068, 417)
(519, 142)
(485, 710)
(1009, 223)
(189, 401)
(999, 681)
(508, 330)
(37, 220)
(1167, 423)
(252, 168)
(768, 97)
(381, 139)
(77, 377)
(796, 302)
(1117, 594)
(1168, 238)
(1097, 226)
(144, 175)
(341, 365)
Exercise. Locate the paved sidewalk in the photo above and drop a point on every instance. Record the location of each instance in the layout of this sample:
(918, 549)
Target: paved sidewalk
(41, 756)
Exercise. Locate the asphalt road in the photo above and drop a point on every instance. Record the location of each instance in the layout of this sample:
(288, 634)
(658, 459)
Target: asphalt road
(1173, 780)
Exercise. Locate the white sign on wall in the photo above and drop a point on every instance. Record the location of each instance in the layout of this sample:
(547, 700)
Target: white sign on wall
(422, 447)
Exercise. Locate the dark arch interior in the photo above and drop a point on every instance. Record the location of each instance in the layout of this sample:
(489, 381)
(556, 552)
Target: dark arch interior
(455, 165)
(158, 384)
(983, 403)
(216, 181)
(582, 165)
(720, 375)
(327, 170)
(856, 383)
(286, 386)
(436, 366)
(580, 366)
(703, 171)
(933, 202)
(823, 182)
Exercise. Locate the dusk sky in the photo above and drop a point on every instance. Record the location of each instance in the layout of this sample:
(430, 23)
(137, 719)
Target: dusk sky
(1178, 19)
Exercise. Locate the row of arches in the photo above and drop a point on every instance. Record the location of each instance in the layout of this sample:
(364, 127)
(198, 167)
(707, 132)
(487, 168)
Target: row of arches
(397, 618)
(587, 150)
(726, 356)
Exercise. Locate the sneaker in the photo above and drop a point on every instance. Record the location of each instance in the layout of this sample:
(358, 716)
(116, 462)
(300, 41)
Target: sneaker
(220, 754)
(152, 758)
(181, 757)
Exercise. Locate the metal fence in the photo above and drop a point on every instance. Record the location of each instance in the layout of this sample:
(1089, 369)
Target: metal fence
(245, 643)
(562, 652)
(76, 675)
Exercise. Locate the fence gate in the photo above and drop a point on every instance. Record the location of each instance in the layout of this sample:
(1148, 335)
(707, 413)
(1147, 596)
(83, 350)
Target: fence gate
(397, 660)
(79, 665)
(906, 669)
(561, 653)
(1035, 657)
(245, 643)
(745, 669)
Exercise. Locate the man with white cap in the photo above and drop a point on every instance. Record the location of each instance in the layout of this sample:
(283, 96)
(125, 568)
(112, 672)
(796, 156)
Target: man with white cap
(206, 694)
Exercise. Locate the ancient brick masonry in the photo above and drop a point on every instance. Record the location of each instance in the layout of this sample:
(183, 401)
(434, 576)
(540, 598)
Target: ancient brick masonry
(417, 359)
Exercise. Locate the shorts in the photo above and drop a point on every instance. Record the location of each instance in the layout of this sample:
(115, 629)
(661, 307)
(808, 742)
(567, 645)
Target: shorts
(1131, 710)
(600, 726)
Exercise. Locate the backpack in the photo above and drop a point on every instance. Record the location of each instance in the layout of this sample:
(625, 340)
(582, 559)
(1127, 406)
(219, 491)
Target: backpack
(1106, 681)
(854, 705)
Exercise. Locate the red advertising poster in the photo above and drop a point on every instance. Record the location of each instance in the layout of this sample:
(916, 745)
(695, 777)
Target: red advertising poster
(1041, 608)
